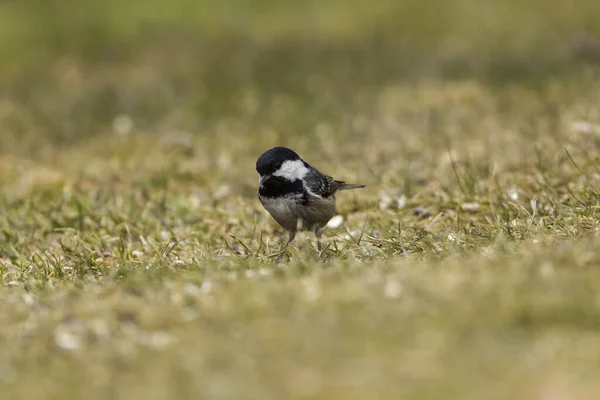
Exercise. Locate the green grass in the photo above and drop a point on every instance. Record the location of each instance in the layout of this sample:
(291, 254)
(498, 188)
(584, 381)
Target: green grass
(136, 261)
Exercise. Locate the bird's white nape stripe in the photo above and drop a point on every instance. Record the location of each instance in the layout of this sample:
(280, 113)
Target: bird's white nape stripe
(292, 170)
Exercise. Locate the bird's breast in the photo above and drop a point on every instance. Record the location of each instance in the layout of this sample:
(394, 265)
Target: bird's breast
(303, 211)
(283, 209)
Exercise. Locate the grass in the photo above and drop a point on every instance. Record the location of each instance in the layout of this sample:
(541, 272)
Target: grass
(136, 261)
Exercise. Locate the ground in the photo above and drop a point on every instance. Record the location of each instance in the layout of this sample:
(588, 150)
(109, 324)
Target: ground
(137, 262)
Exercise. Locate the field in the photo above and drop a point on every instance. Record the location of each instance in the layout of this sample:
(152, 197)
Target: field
(137, 262)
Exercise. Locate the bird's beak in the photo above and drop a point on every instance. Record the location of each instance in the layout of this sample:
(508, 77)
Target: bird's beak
(262, 179)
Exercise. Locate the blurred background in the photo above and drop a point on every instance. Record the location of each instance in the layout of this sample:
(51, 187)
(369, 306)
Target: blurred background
(245, 74)
(129, 131)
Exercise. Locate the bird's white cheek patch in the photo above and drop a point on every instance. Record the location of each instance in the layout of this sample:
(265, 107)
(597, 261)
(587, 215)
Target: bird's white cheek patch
(292, 170)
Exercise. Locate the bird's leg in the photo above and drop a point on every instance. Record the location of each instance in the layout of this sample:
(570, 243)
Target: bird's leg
(318, 234)
(291, 237)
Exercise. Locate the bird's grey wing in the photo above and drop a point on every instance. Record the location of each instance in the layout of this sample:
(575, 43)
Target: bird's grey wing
(320, 184)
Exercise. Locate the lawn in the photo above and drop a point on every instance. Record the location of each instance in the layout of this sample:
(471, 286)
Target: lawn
(137, 262)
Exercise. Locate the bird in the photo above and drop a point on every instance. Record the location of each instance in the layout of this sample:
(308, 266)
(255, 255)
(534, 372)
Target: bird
(298, 196)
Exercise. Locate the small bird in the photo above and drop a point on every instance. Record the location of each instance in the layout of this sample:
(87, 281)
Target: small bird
(297, 195)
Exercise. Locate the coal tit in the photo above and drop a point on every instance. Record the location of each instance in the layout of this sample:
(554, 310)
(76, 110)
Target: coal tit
(298, 196)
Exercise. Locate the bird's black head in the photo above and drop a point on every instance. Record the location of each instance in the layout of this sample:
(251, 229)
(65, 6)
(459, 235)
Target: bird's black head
(271, 160)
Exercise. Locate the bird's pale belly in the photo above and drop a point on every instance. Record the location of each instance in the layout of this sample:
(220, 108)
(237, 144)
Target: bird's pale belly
(293, 216)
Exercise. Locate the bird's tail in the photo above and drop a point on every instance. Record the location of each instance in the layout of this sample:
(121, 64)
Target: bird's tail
(348, 186)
